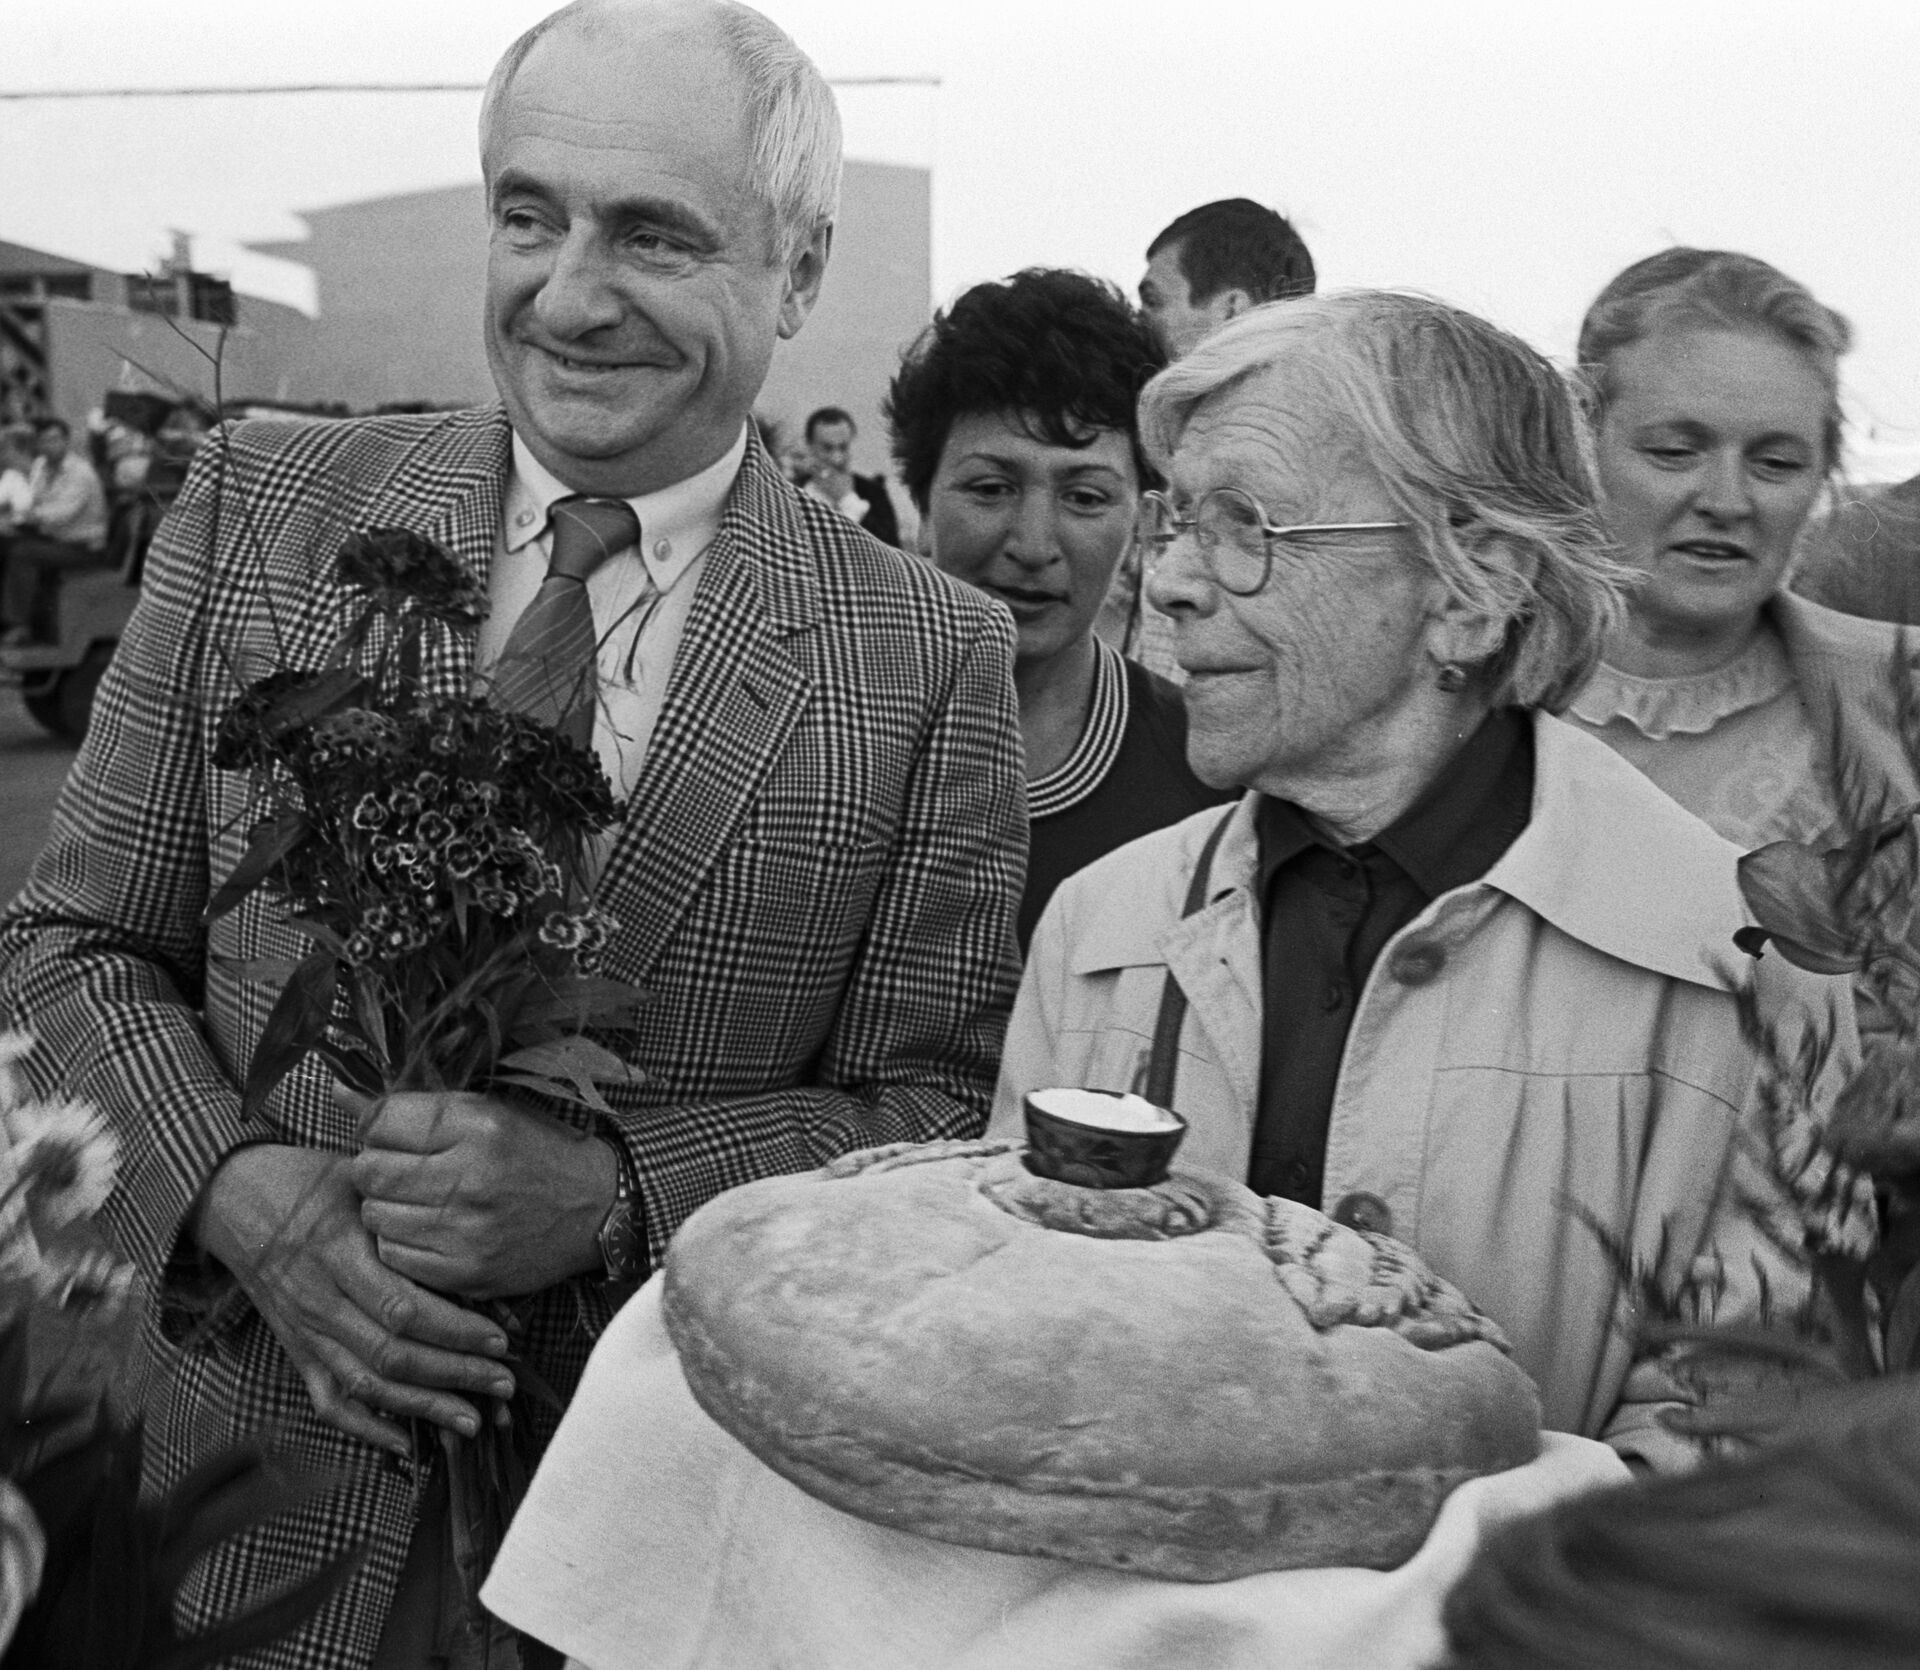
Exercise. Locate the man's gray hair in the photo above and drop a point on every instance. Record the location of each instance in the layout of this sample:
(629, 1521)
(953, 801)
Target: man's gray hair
(793, 121)
(1479, 442)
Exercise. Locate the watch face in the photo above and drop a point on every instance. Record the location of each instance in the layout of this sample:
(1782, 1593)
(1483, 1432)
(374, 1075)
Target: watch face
(619, 1244)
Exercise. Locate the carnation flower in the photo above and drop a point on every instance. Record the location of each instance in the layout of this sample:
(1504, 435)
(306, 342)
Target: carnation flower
(404, 572)
(14, 1047)
(65, 1155)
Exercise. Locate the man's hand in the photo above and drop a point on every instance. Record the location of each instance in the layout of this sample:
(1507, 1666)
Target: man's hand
(472, 1196)
(286, 1222)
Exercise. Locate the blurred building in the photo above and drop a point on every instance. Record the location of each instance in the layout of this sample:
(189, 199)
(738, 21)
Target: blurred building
(71, 333)
(401, 282)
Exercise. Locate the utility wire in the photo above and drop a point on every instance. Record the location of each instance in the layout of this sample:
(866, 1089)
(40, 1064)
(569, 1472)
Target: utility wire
(51, 94)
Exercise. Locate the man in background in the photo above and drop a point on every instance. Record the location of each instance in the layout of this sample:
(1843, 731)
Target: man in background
(65, 525)
(862, 499)
(1210, 265)
(1214, 263)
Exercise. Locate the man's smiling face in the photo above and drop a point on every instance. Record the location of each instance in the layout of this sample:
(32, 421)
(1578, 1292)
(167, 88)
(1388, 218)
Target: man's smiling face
(634, 284)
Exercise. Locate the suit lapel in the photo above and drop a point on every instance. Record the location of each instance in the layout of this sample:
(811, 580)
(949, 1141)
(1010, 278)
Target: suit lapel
(448, 489)
(733, 700)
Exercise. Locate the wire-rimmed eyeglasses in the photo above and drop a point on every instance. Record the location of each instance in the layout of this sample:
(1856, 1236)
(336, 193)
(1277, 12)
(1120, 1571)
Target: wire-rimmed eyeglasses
(1234, 534)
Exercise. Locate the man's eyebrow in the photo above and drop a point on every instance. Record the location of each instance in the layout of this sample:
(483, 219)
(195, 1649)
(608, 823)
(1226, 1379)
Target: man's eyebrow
(664, 213)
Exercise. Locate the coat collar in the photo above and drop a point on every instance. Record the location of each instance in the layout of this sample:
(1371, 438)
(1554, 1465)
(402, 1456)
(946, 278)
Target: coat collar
(1606, 858)
(1840, 663)
(1612, 862)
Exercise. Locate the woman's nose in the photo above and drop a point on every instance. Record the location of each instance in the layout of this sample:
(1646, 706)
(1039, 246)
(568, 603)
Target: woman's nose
(1724, 494)
(1034, 540)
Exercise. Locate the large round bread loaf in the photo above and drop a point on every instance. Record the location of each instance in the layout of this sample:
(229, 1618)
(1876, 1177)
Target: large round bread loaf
(1188, 1380)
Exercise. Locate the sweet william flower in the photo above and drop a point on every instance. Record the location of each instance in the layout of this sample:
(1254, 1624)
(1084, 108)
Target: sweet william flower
(404, 570)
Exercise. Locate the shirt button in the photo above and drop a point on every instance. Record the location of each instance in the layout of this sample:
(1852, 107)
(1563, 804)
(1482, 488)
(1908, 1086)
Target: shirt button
(1417, 962)
(1297, 1175)
(1361, 1210)
(1335, 996)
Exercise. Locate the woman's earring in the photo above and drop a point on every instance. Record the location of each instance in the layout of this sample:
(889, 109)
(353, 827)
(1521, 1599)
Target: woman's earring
(1452, 677)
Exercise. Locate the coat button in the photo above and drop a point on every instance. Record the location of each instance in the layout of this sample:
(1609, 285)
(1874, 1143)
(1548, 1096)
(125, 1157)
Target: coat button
(1361, 1210)
(1417, 962)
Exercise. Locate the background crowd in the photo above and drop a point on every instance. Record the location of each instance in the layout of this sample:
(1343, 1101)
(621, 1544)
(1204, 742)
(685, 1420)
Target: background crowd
(1329, 685)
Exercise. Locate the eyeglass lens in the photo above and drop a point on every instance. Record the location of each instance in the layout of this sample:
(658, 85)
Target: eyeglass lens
(1226, 524)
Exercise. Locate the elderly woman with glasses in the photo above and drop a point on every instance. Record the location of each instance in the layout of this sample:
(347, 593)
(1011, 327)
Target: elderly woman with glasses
(1453, 970)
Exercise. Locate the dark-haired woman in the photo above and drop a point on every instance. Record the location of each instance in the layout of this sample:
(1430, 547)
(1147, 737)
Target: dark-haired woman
(1014, 429)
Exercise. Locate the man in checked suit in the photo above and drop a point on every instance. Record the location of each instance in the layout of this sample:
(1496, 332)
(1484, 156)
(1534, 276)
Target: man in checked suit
(816, 875)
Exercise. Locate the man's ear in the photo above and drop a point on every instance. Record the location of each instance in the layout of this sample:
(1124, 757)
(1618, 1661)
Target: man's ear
(804, 275)
(1230, 304)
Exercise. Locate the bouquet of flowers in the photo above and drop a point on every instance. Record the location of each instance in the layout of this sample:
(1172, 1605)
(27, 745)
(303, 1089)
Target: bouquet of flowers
(1851, 1173)
(88, 1572)
(434, 852)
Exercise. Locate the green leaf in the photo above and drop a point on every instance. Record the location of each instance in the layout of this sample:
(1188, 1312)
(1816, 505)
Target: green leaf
(332, 691)
(569, 1068)
(320, 934)
(351, 1068)
(1788, 888)
(298, 1021)
(581, 1000)
(1903, 1327)
(232, 1492)
(559, 1089)
(269, 1621)
(368, 1015)
(272, 840)
(264, 971)
(577, 1057)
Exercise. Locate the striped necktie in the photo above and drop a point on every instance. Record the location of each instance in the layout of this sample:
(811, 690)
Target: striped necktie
(548, 666)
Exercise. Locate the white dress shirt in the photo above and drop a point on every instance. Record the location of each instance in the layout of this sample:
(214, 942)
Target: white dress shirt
(640, 600)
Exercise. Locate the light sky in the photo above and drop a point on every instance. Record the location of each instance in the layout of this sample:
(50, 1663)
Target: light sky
(1509, 155)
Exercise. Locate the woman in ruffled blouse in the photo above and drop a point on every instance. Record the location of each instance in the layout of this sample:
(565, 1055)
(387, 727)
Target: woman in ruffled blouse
(1714, 386)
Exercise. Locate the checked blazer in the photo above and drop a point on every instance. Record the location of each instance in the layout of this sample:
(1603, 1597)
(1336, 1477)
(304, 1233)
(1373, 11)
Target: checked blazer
(816, 878)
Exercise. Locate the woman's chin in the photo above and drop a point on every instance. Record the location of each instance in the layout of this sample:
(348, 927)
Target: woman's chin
(1710, 607)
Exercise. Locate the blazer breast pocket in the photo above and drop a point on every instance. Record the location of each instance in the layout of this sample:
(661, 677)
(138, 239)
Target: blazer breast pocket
(803, 902)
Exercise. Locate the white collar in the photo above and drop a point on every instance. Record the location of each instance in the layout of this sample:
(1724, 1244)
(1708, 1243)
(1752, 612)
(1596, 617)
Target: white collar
(676, 524)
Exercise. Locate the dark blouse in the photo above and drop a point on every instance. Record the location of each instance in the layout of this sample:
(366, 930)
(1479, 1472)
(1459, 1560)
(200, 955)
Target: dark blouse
(1326, 913)
(1126, 777)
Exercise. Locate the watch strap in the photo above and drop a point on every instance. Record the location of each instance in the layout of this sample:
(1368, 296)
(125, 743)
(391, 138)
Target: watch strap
(622, 1251)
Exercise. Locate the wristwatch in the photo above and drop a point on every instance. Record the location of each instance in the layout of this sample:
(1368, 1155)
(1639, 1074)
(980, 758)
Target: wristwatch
(620, 1244)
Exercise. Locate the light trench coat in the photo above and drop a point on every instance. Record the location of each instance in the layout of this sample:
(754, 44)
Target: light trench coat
(1562, 1031)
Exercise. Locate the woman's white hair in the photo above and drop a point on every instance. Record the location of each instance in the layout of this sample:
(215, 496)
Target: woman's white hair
(1479, 442)
(793, 121)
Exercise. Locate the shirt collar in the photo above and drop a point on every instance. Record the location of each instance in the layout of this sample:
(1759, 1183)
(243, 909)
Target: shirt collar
(1462, 822)
(676, 524)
